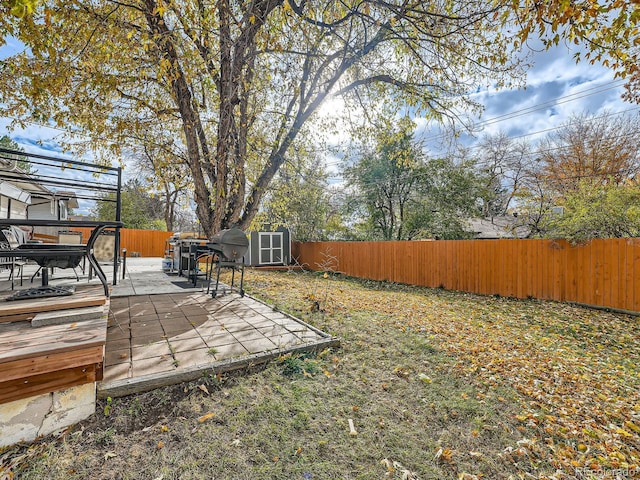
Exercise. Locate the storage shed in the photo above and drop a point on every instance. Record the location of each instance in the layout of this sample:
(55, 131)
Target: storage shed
(269, 246)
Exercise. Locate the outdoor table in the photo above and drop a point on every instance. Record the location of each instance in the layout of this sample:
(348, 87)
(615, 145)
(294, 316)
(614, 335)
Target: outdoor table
(39, 251)
(50, 255)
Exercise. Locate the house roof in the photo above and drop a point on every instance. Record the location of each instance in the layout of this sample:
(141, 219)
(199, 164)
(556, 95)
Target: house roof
(13, 183)
(69, 197)
(19, 185)
(14, 192)
(14, 175)
(506, 226)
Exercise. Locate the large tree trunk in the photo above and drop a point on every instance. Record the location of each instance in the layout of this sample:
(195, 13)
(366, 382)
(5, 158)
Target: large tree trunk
(189, 116)
(237, 60)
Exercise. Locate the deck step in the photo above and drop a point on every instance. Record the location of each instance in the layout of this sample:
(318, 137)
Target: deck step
(21, 310)
(67, 316)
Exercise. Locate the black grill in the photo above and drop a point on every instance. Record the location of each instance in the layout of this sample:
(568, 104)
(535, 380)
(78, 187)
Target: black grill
(231, 244)
(229, 247)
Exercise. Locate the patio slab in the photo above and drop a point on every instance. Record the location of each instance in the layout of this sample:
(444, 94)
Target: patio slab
(178, 334)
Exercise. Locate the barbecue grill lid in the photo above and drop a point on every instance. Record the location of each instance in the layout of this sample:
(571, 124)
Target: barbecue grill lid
(232, 242)
(231, 236)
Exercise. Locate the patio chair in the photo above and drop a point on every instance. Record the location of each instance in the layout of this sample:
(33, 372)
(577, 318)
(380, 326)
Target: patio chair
(8, 240)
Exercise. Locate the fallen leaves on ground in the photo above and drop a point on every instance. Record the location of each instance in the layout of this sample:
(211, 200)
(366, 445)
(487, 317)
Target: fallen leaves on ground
(577, 369)
(397, 470)
(205, 417)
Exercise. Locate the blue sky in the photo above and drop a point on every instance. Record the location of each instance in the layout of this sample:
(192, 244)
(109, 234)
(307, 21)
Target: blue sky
(556, 89)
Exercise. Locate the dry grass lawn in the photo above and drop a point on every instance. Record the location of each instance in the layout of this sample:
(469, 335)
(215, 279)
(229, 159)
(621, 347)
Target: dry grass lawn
(438, 385)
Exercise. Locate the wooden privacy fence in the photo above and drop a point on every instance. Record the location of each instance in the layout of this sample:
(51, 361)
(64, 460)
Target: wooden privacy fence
(604, 272)
(147, 243)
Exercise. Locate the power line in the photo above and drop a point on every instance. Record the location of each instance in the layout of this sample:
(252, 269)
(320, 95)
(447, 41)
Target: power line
(533, 153)
(549, 103)
(531, 134)
(557, 101)
(507, 116)
(559, 127)
(500, 118)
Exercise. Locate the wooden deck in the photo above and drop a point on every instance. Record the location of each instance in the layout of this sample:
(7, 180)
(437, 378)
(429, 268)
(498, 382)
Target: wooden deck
(37, 360)
(159, 340)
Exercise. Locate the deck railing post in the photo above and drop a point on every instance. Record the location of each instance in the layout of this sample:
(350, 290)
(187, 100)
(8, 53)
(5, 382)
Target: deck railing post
(124, 262)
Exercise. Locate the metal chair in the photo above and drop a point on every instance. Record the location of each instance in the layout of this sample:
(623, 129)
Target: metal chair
(13, 264)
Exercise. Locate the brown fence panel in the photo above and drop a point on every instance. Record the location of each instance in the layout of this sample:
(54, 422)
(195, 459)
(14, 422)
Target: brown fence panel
(634, 246)
(146, 243)
(604, 272)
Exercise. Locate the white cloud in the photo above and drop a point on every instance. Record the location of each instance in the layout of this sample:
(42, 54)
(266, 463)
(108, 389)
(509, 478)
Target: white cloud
(33, 138)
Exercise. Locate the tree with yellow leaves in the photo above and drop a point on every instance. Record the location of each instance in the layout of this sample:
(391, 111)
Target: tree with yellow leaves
(234, 83)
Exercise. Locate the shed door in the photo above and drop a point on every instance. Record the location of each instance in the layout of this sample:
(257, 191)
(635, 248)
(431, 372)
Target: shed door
(270, 247)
